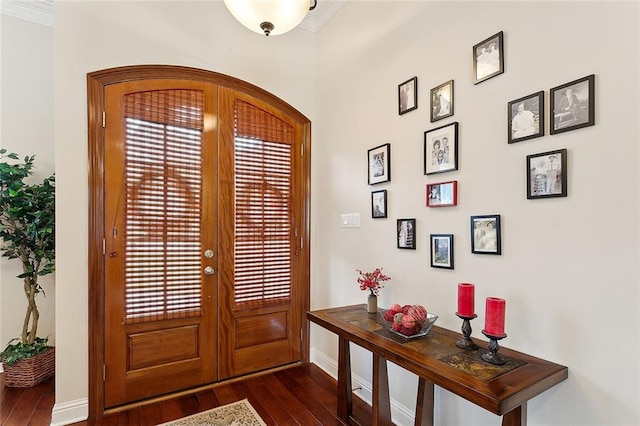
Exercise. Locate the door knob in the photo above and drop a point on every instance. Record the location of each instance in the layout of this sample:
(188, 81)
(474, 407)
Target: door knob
(209, 270)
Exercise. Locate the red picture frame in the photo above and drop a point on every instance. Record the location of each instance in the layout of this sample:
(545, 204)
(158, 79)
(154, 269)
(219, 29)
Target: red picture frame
(442, 194)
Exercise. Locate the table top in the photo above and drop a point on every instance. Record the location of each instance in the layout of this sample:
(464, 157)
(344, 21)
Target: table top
(435, 357)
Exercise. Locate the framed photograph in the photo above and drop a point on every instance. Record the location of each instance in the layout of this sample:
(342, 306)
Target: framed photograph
(547, 174)
(485, 234)
(407, 234)
(408, 96)
(573, 105)
(525, 118)
(442, 194)
(441, 149)
(442, 101)
(379, 159)
(442, 251)
(488, 58)
(379, 204)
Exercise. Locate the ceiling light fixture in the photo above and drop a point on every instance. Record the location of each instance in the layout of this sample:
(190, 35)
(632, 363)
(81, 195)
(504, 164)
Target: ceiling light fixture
(270, 16)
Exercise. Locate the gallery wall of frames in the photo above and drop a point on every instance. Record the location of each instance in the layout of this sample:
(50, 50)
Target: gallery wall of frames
(571, 107)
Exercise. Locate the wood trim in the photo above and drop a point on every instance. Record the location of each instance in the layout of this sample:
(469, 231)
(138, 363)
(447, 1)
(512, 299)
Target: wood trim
(143, 72)
(95, 107)
(305, 251)
(96, 83)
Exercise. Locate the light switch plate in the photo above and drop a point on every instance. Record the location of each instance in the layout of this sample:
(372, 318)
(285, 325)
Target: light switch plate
(350, 220)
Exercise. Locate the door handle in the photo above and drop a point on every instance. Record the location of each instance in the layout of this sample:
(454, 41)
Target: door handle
(209, 270)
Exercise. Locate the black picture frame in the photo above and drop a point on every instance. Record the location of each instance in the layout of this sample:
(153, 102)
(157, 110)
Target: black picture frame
(408, 95)
(441, 251)
(379, 204)
(406, 233)
(573, 105)
(547, 174)
(525, 118)
(488, 58)
(379, 164)
(441, 105)
(485, 234)
(441, 149)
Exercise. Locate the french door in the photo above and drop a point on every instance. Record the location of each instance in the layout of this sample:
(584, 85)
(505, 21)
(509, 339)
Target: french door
(201, 205)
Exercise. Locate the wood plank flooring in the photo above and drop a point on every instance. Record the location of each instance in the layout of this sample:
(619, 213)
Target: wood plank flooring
(302, 395)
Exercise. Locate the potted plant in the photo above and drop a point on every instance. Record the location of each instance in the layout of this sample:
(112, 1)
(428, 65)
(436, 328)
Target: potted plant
(372, 281)
(27, 233)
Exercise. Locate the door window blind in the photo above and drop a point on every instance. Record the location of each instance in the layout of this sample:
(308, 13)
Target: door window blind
(163, 178)
(263, 243)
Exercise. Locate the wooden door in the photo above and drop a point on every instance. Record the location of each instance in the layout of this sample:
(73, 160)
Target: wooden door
(160, 227)
(262, 277)
(190, 169)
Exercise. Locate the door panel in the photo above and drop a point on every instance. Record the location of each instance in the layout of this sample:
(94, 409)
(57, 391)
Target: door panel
(259, 328)
(160, 217)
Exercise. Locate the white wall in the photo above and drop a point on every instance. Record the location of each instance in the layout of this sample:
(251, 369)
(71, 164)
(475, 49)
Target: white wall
(569, 268)
(90, 36)
(26, 127)
(573, 301)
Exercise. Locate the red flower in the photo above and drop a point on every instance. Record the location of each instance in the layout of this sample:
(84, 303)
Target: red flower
(371, 280)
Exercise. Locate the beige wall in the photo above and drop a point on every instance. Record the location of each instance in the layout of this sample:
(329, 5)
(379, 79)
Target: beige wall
(569, 268)
(26, 127)
(568, 299)
(93, 35)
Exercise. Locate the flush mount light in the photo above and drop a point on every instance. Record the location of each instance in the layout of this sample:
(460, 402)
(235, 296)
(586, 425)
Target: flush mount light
(270, 16)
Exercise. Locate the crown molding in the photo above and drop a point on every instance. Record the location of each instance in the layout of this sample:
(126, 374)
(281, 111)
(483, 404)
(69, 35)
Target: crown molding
(319, 16)
(38, 11)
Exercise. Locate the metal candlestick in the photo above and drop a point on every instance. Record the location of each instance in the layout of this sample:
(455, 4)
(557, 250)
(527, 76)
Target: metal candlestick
(466, 342)
(492, 356)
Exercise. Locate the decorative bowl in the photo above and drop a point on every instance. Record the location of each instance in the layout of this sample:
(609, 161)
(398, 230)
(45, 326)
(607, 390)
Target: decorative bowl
(426, 326)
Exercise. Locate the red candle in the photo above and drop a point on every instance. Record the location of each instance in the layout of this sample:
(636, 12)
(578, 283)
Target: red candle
(494, 316)
(466, 300)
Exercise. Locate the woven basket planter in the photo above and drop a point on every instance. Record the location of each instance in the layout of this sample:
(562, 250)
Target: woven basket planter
(29, 372)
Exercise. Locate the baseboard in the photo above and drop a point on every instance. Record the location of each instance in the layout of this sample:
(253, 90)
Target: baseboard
(70, 412)
(400, 414)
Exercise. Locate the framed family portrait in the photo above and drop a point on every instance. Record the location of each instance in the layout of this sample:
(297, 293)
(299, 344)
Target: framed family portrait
(442, 251)
(526, 118)
(485, 234)
(379, 204)
(441, 149)
(406, 234)
(573, 105)
(442, 194)
(408, 96)
(488, 58)
(547, 174)
(379, 164)
(442, 101)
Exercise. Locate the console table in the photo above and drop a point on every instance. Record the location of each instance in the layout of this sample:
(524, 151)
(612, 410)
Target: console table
(501, 389)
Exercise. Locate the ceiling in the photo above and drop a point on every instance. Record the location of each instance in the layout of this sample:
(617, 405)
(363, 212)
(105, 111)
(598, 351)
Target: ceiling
(42, 12)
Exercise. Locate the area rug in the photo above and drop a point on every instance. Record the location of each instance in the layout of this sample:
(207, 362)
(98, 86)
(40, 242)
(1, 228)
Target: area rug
(239, 413)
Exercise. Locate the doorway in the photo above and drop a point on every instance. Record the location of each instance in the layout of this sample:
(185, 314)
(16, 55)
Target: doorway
(198, 232)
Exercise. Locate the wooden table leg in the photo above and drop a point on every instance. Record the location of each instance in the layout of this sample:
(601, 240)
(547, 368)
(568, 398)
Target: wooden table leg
(345, 398)
(424, 405)
(516, 417)
(381, 405)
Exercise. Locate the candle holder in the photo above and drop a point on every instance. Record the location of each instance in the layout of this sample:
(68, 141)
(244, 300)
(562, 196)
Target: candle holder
(492, 356)
(466, 342)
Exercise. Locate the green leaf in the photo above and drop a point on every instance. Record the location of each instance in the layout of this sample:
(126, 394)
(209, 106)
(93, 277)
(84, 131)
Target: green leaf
(15, 352)
(27, 220)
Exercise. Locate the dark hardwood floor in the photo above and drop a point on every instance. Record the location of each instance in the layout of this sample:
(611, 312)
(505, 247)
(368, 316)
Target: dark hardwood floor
(302, 395)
